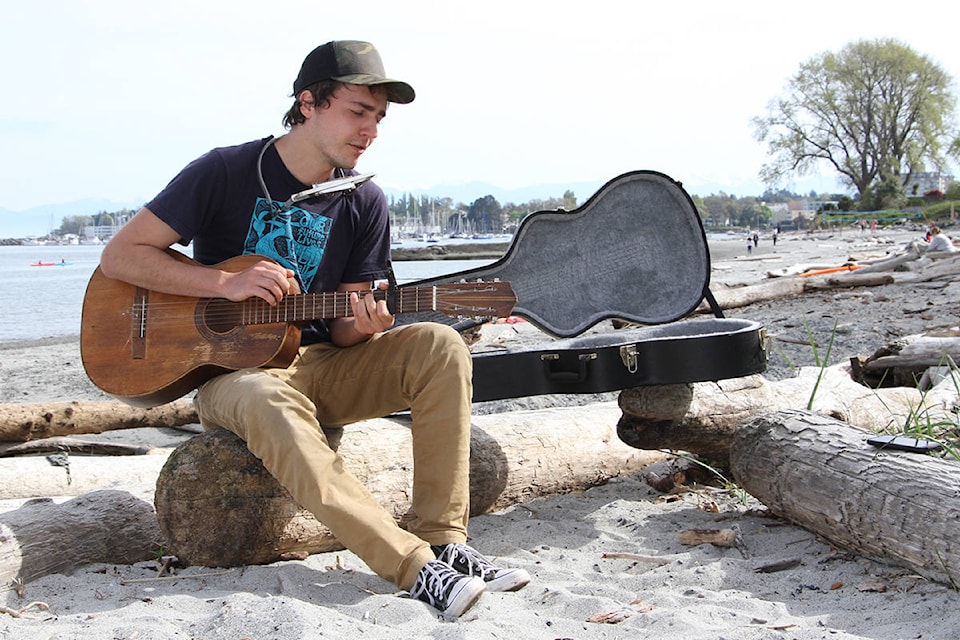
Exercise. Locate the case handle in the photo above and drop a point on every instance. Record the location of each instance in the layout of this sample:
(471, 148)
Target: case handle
(552, 373)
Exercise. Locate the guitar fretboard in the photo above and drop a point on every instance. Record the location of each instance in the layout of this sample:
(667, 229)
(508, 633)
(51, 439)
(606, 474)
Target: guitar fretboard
(314, 306)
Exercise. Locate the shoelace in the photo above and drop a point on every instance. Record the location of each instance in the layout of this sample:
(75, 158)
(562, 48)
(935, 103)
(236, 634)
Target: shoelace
(435, 580)
(467, 559)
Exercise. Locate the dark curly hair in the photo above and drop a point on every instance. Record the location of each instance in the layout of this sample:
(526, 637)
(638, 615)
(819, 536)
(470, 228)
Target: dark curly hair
(321, 91)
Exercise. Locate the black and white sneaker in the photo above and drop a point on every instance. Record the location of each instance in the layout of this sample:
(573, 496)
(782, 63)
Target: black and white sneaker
(446, 589)
(469, 562)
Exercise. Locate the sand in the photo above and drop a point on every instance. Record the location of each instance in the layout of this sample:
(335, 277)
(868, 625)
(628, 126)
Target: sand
(605, 563)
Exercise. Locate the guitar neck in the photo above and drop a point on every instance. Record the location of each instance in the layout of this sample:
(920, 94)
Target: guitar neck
(330, 305)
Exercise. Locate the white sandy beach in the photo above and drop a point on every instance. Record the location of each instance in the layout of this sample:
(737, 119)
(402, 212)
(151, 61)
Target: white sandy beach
(606, 562)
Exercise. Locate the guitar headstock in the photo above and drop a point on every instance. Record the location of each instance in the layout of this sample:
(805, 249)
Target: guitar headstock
(475, 299)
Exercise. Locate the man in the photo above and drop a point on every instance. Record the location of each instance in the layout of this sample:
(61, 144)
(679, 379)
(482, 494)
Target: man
(228, 202)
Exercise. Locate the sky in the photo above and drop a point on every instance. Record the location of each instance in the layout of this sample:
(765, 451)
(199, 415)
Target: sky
(105, 99)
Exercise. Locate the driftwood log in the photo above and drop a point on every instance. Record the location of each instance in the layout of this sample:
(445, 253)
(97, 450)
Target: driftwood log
(911, 266)
(942, 266)
(75, 475)
(701, 417)
(32, 421)
(790, 287)
(819, 473)
(905, 361)
(217, 505)
(44, 537)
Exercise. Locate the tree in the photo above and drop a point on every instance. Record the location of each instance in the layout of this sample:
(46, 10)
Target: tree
(953, 191)
(722, 209)
(486, 214)
(74, 225)
(701, 208)
(876, 111)
(887, 193)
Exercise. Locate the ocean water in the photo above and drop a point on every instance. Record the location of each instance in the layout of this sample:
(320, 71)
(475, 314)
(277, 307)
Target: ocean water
(41, 302)
(45, 302)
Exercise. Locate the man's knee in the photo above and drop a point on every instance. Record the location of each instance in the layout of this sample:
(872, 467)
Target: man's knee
(443, 341)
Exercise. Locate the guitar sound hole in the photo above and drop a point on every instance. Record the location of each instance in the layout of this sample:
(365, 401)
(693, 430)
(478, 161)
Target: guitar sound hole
(220, 316)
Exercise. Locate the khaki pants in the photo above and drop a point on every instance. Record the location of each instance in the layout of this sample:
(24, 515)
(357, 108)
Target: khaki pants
(425, 367)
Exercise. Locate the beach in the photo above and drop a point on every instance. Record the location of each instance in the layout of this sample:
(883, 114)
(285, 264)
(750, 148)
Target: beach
(606, 562)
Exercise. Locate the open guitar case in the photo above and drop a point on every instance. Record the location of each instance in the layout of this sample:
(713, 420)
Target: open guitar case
(635, 251)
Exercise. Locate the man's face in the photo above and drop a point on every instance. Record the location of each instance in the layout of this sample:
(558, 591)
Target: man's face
(343, 130)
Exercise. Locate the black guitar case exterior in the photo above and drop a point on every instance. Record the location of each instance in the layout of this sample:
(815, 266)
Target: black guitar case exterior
(695, 350)
(636, 251)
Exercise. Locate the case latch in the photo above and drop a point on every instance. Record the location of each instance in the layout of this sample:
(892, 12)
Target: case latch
(628, 353)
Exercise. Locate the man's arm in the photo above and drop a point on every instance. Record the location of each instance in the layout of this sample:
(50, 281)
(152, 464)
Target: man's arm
(136, 254)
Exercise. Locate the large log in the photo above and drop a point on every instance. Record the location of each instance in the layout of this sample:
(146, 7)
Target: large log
(891, 263)
(819, 473)
(74, 475)
(911, 356)
(29, 421)
(736, 297)
(217, 505)
(790, 287)
(701, 418)
(44, 537)
(942, 266)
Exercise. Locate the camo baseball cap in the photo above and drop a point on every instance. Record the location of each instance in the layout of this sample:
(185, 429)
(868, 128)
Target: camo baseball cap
(352, 62)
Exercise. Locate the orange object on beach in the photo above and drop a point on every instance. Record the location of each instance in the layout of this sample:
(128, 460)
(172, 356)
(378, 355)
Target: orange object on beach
(819, 272)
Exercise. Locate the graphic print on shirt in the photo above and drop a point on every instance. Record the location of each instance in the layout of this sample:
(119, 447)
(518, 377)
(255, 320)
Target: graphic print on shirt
(294, 237)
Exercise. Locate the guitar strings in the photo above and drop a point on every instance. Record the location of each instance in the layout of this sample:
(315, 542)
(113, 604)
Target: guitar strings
(304, 307)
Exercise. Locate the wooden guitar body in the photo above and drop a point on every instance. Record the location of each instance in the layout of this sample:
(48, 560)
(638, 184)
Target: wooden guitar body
(183, 341)
(148, 348)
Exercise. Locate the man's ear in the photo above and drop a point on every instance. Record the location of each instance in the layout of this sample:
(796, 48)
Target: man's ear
(305, 101)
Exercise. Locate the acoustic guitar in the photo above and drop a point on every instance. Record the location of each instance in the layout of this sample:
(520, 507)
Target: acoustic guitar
(148, 348)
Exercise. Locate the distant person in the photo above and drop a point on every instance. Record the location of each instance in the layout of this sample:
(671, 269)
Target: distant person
(939, 241)
(756, 239)
(774, 237)
(255, 198)
(749, 245)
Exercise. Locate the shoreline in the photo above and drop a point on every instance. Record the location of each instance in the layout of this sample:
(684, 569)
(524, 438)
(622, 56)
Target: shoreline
(440, 251)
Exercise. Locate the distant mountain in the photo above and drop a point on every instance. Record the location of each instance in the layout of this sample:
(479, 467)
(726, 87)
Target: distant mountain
(41, 220)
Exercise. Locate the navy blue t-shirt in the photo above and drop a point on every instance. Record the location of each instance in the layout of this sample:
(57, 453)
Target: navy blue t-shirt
(217, 203)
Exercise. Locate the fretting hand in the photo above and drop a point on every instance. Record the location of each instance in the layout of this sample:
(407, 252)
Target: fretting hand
(370, 315)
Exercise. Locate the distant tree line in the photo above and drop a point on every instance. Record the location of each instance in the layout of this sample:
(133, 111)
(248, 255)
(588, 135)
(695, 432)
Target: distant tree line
(483, 215)
(75, 224)
(486, 215)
